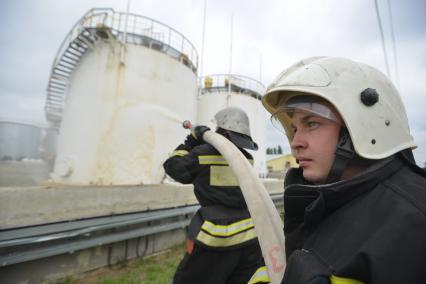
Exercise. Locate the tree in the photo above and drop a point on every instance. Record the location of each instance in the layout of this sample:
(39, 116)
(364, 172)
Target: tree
(280, 150)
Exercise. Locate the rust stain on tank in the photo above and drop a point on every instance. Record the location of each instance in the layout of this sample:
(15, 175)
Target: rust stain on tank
(104, 169)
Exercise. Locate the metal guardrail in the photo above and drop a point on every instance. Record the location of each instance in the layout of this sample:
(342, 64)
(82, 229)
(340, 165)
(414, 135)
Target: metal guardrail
(224, 83)
(37, 234)
(36, 242)
(31, 243)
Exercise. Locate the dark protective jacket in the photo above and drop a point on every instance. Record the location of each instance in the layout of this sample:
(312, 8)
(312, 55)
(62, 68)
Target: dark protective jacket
(369, 229)
(223, 222)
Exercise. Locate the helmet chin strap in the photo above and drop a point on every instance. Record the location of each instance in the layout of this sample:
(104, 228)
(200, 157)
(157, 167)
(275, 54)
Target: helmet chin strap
(344, 153)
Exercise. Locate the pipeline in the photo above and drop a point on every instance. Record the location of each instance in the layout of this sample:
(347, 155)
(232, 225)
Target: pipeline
(268, 225)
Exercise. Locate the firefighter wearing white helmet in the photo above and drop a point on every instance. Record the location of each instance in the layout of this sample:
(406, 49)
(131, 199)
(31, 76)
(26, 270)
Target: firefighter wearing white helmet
(236, 121)
(222, 246)
(355, 208)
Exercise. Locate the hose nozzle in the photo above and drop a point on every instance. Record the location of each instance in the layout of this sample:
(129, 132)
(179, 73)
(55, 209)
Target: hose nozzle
(187, 124)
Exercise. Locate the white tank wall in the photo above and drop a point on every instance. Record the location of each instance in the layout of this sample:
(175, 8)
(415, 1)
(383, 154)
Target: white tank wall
(121, 121)
(210, 103)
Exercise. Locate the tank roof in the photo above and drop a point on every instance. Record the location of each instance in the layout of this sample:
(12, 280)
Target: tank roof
(224, 83)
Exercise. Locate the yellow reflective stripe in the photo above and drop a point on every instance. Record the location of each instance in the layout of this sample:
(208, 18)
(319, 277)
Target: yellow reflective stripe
(340, 280)
(222, 176)
(260, 276)
(227, 230)
(179, 153)
(212, 159)
(226, 242)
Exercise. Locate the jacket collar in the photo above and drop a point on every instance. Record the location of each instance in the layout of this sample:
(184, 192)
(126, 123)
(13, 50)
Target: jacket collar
(313, 201)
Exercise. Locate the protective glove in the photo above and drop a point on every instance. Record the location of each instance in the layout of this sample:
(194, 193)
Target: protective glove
(198, 132)
(196, 136)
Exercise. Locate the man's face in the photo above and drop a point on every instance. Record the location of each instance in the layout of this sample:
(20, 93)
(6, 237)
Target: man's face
(314, 144)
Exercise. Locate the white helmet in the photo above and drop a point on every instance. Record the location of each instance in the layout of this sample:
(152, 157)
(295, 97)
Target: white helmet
(365, 98)
(237, 122)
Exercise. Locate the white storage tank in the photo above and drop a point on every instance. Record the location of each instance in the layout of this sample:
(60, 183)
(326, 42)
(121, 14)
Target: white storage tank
(19, 140)
(120, 88)
(227, 90)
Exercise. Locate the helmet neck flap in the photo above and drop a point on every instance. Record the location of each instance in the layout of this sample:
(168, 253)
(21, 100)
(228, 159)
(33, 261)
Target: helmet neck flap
(344, 154)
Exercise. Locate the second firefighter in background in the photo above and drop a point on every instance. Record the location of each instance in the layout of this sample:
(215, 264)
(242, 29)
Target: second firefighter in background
(222, 246)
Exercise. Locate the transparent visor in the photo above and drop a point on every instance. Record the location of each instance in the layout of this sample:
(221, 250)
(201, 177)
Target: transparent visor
(281, 119)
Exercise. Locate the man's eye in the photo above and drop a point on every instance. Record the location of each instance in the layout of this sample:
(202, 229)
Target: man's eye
(312, 124)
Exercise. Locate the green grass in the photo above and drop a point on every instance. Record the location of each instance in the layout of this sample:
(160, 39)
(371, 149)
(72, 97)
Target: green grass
(158, 269)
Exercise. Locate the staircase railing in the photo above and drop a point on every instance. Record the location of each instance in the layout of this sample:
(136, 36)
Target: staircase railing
(102, 23)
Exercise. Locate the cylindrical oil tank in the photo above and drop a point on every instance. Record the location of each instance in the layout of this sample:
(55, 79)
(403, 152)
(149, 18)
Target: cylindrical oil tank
(224, 90)
(19, 140)
(125, 102)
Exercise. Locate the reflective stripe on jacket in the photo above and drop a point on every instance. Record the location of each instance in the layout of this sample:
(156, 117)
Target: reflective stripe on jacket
(260, 276)
(223, 222)
(219, 227)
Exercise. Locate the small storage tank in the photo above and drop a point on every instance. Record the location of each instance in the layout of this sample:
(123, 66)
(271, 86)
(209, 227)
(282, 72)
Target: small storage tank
(120, 87)
(225, 90)
(19, 140)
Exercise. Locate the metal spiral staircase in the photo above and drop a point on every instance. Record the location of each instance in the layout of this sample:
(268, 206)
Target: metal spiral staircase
(62, 71)
(107, 25)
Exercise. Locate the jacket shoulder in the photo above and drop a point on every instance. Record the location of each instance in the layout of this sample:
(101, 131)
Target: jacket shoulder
(411, 186)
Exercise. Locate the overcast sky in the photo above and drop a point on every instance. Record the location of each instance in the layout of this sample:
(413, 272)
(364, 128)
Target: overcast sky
(268, 36)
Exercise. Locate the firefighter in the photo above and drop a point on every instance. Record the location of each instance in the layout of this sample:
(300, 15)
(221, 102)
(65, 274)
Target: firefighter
(221, 246)
(355, 209)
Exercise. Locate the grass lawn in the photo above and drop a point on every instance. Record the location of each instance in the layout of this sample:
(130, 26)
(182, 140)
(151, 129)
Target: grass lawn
(157, 269)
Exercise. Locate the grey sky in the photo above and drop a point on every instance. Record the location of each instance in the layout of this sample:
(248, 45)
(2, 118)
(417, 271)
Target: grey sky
(271, 33)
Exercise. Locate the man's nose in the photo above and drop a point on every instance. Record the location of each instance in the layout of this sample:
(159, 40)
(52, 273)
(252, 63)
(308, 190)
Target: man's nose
(298, 140)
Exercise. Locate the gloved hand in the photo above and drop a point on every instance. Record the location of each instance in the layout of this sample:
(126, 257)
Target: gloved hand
(196, 136)
(198, 132)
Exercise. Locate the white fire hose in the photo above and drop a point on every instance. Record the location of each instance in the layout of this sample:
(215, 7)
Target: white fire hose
(267, 222)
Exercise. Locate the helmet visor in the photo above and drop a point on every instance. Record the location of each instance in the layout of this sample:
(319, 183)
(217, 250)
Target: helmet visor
(281, 119)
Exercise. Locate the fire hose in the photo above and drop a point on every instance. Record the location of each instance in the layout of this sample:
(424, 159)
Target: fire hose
(267, 222)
